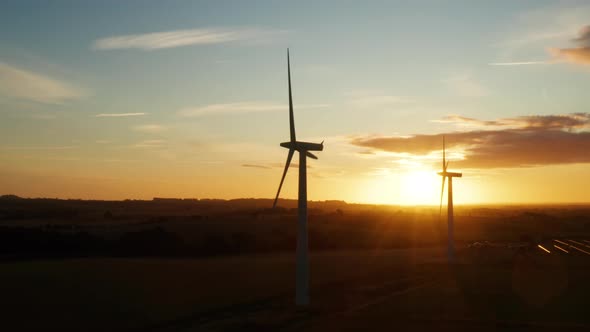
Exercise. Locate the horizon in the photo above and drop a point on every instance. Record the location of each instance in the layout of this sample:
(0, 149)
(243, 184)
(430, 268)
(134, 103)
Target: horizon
(496, 204)
(113, 100)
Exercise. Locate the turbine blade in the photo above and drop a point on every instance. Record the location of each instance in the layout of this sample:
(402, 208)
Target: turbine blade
(442, 192)
(310, 155)
(289, 157)
(291, 117)
(444, 156)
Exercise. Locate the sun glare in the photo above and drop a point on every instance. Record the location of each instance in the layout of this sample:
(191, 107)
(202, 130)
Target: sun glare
(412, 187)
(419, 187)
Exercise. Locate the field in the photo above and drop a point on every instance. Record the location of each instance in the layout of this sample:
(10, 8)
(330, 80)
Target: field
(355, 290)
(232, 268)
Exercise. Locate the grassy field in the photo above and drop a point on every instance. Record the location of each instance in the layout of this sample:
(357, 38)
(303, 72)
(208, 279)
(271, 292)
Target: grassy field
(349, 290)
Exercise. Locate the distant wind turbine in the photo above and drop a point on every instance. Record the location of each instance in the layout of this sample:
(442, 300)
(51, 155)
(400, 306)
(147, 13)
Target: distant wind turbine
(302, 268)
(450, 175)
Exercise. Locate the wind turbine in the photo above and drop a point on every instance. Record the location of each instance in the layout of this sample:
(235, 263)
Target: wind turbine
(450, 175)
(302, 265)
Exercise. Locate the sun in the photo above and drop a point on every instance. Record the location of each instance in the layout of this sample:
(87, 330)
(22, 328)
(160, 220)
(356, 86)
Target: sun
(419, 187)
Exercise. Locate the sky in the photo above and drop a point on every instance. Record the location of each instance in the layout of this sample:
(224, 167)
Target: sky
(142, 99)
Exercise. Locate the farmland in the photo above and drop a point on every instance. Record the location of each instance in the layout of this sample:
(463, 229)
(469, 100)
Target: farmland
(232, 268)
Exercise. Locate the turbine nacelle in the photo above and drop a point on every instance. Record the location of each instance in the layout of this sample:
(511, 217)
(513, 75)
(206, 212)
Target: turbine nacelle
(303, 146)
(450, 174)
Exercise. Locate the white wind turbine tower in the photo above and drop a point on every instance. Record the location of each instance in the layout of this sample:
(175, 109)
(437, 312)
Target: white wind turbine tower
(302, 266)
(450, 175)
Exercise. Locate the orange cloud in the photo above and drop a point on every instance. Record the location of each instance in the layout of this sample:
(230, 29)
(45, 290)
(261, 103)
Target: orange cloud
(579, 55)
(271, 165)
(256, 166)
(575, 55)
(562, 121)
(527, 141)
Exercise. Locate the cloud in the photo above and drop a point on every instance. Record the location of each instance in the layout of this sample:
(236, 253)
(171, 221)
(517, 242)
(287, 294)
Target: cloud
(525, 141)
(375, 100)
(584, 36)
(67, 147)
(241, 107)
(116, 115)
(466, 121)
(178, 38)
(256, 166)
(152, 143)
(23, 84)
(542, 27)
(564, 121)
(577, 55)
(150, 128)
(549, 23)
(521, 63)
(273, 165)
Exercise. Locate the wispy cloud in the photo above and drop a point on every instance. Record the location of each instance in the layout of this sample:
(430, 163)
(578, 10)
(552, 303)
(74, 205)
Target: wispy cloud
(272, 165)
(152, 143)
(23, 84)
(178, 38)
(525, 142)
(548, 24)
(241, 107)
(539, 29)
(94, 160)
(576, 55)
(368, 100)
(522, 63)
(256, 166)
(150, 128)
(572, 121)
(117, 115)
(66, 147)
(467, 122)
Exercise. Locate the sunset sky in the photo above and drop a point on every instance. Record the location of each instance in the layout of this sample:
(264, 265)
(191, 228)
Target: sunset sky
(142, 99)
